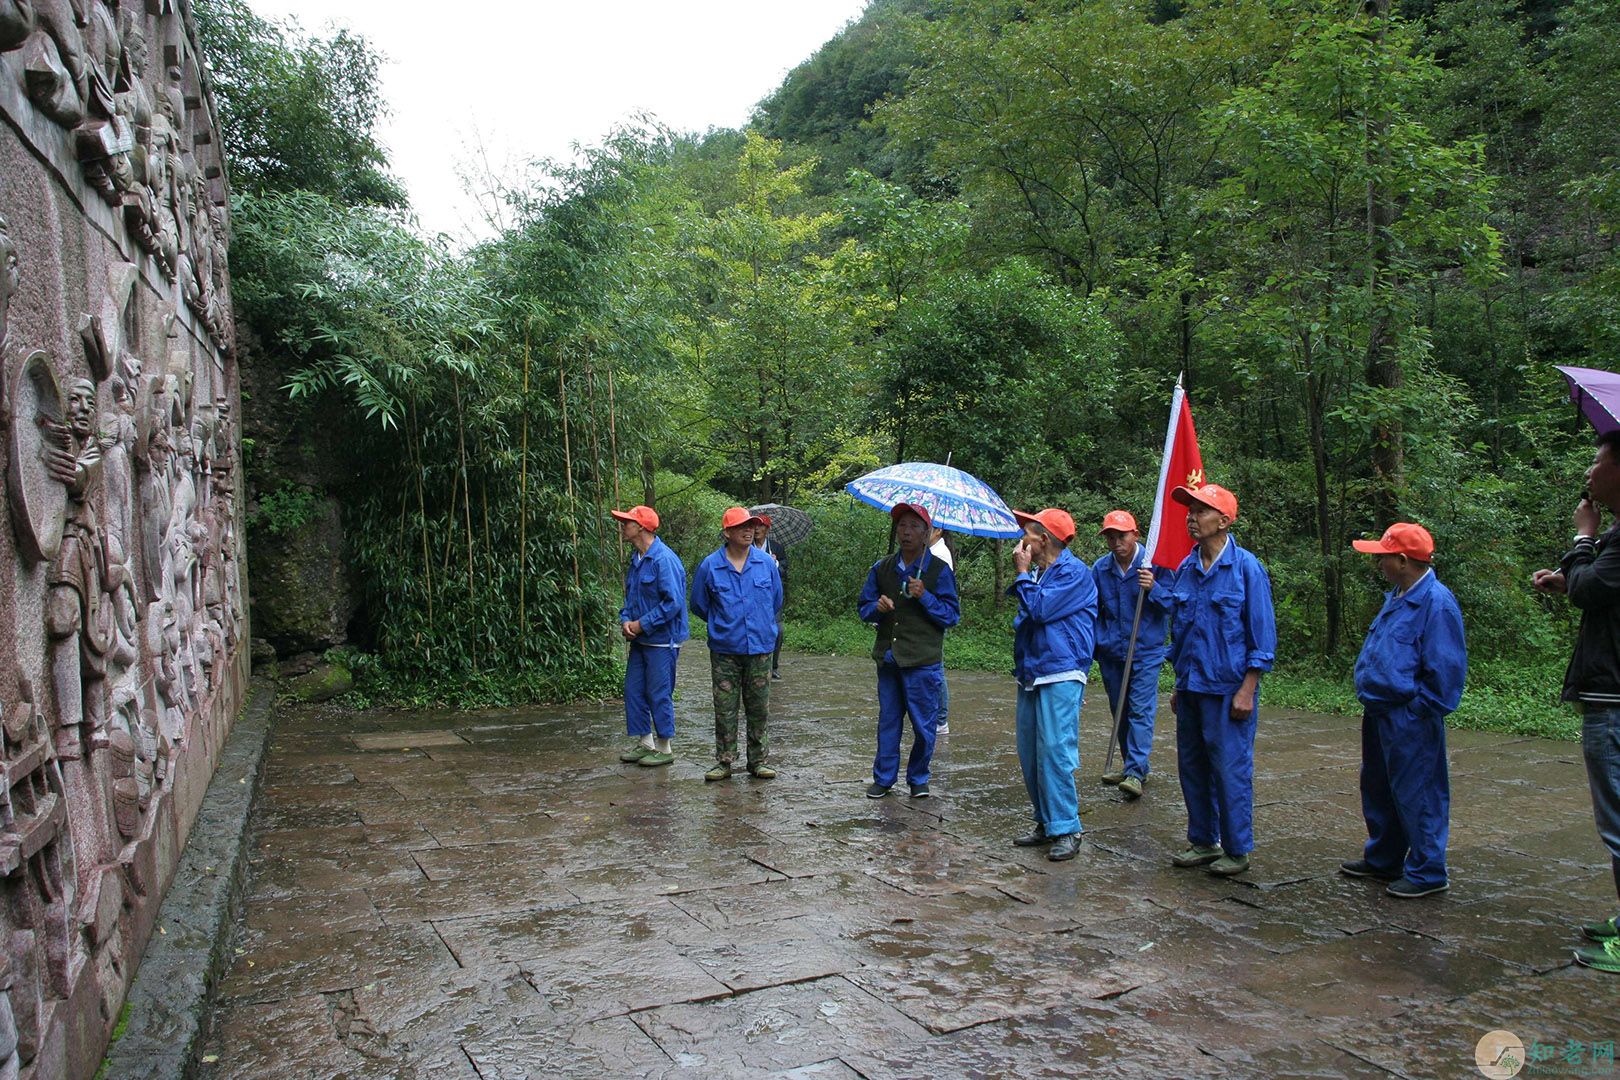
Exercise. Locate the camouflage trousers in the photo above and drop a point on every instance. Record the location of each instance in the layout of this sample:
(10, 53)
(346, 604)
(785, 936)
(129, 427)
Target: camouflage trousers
(743, 681)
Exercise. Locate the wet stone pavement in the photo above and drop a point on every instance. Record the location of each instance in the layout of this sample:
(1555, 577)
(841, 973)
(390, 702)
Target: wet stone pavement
(483, 895)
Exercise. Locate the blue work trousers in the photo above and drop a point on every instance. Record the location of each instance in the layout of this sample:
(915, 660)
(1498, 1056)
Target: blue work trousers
(1049, 752)
(1405, 793)
(1215, 755)
(1600, 744)
(1141, 707)
(649, 691)
(903, 692)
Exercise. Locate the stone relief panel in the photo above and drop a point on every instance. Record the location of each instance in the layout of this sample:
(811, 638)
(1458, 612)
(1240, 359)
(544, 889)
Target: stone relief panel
(122, 596)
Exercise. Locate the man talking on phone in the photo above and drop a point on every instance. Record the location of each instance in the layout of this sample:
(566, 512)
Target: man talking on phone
(910, 597)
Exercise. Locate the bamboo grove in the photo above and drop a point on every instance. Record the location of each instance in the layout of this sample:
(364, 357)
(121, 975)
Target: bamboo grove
(992, 229)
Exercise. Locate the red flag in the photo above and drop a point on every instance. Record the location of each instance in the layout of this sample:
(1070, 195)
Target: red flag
(1167, 541)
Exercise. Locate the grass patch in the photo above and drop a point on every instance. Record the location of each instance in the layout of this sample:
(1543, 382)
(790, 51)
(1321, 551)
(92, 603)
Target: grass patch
(1507, 697)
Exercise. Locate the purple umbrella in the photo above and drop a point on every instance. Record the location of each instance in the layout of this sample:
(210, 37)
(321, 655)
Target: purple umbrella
(1598, 395)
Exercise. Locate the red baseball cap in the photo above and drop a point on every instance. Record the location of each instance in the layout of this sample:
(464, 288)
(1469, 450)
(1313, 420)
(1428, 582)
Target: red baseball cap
(737, 515)
(1055, 521)
(1210, 495)
(645, 516)
(1401, 538)
(1118, 519)
(913, 508)
(764, 519)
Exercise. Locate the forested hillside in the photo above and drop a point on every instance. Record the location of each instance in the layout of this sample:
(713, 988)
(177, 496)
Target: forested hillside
(992, 230)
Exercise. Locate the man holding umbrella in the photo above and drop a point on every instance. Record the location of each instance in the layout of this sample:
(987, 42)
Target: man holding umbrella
(1052, 646)
(1590, 576)
(910, 597)
(653, 621)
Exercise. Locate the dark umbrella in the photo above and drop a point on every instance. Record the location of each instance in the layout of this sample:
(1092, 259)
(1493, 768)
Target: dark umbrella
(789, 526)
(1598, 395)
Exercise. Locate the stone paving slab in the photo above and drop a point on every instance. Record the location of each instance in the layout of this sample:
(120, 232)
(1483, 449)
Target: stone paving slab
(488, 895)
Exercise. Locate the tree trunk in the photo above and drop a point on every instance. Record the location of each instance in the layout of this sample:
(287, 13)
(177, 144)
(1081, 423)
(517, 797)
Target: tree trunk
(1383, 362)
(1332, 587)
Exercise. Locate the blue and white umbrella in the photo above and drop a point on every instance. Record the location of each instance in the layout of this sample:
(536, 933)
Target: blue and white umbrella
(957, 501)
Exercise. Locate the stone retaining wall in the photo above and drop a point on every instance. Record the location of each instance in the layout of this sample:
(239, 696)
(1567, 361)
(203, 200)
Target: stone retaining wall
(122, 597)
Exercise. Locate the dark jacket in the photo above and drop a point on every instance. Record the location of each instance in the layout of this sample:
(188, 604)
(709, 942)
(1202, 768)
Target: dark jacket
(914, 632)
(1592, 580)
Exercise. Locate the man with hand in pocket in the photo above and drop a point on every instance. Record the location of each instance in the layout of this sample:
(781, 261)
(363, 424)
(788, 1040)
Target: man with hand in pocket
(1409, 676)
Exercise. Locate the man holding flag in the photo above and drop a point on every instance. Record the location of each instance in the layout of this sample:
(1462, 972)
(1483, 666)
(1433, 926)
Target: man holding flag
(1133, 621)
(1225, 639)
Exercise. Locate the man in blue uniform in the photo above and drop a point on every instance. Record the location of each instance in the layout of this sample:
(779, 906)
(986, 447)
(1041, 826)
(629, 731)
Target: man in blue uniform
(1123, 576)
(1225, 638)
(653, 621)
(911, 597)
(1052, 646)
(738, 591)
(1408, 677)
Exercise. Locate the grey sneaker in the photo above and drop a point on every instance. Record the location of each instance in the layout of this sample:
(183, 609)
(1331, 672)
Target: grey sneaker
(1197, 855)
(943, 729)
(876, 790)
(1229, 865)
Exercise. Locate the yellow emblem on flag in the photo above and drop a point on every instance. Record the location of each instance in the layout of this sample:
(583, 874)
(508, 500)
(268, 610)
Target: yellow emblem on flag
(1195, 478)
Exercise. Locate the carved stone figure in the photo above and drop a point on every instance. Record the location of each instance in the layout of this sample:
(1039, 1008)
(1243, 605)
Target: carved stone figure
(76, 620)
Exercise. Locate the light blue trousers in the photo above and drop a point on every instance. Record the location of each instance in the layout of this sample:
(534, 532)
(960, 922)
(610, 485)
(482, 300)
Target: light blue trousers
(1049, 751)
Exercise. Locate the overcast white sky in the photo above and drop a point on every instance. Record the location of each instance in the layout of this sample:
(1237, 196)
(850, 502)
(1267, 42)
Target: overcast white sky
(529, 80)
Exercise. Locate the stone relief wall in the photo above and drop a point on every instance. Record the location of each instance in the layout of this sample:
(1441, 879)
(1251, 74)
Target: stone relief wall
(122, 597)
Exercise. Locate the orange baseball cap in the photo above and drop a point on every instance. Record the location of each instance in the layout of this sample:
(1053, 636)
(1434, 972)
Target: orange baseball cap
(1210, 495)
(737, 515)
(1401, 538)
(1118, 519)
(645, 516)
(913, 508)
(1055, 521)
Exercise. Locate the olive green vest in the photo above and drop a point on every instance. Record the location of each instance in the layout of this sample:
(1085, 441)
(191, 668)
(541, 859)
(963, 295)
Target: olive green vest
(907, 630)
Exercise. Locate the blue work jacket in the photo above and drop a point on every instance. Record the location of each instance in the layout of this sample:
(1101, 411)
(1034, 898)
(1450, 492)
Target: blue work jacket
(1054, 629)
(1223, 624)
(1116, 610)
(741, 607)
(655, 593)
(1414, 653)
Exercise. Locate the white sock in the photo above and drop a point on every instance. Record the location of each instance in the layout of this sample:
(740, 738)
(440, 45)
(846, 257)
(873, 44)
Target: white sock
(647, 741)
(663, 746)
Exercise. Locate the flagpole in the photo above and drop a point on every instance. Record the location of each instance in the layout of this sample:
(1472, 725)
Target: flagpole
(1147, 555)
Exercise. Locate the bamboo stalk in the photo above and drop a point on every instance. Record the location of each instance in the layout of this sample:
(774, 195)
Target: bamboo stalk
(421, 509)
(573, 508)
(466, 507)
(613, 434)
(523, 495)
